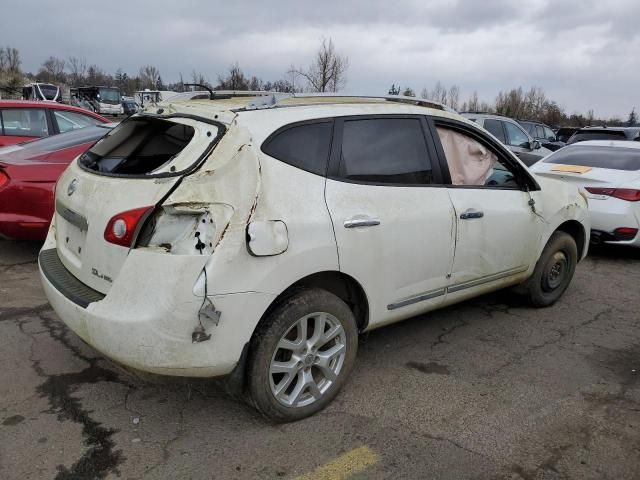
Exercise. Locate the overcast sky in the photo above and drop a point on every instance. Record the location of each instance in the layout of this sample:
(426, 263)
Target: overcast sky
(583, 53)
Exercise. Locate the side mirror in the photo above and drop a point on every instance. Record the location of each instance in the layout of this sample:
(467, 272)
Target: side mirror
(535, 145)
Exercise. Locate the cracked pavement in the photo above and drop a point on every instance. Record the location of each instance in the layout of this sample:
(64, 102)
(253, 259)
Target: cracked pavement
(488, 389)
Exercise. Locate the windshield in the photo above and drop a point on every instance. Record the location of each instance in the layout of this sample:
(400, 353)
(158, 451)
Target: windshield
(49, 91)
(614, 158)
(109, 95)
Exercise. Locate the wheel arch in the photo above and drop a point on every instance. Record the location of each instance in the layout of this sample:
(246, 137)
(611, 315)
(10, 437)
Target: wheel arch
(340, 284)
(577, 232)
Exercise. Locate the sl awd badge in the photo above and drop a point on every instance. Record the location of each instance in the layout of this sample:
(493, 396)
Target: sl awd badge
(72, 186)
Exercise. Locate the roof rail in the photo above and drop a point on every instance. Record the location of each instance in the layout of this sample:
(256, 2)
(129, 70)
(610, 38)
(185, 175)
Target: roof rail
(272, 99)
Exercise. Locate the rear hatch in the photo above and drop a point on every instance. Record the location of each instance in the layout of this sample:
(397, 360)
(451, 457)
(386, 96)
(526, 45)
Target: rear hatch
(134, 167)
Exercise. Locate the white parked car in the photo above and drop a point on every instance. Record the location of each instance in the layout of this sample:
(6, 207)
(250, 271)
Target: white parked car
(609, 171)
(257, 237)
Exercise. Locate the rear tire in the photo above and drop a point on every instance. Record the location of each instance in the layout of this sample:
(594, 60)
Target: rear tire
(301, 355)
(553, 272)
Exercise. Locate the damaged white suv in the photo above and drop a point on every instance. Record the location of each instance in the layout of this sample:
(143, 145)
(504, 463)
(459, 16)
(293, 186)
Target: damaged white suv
(256, 238)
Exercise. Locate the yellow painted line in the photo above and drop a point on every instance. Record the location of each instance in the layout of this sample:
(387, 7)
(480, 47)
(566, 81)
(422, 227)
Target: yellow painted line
(344, 466)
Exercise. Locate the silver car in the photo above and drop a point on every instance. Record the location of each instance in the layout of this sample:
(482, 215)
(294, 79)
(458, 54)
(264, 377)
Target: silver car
(511, 134)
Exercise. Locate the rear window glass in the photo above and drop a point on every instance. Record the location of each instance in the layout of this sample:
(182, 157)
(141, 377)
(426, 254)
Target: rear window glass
(138, 146)
(614, 158)
(385, 151)
(597, 135)
(304, 146)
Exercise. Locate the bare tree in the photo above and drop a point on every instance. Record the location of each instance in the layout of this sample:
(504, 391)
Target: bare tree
(453, 96)
(10, 75)
(327, 72)
(52, 70)
(234, 80)
(149, 77)
(77, 70)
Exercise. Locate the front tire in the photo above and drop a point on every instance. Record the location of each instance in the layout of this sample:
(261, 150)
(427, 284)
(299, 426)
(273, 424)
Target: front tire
(554, 271)
(301, 355)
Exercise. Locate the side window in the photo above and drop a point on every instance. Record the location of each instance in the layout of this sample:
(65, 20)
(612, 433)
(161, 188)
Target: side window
(516, 136)
(548, 134)
(304, 146)
(68, 121)
(472, 162)
(385, 151)
(495, 128)
(25, 122)
(539, 131)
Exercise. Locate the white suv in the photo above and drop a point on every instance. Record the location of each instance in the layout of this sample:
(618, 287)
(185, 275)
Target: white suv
(257, 237)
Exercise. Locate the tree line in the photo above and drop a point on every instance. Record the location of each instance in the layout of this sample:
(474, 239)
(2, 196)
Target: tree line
(326, 72)
(519, 103)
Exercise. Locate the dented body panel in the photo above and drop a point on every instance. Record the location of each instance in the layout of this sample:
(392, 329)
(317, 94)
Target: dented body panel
(224, 241)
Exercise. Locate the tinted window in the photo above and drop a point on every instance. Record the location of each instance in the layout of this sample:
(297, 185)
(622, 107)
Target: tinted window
(495, 128)
(305, 146)
(68, 121)
(516, 135)
(25, 122)
(597, 135)
(614, 158)
(388, 150)
(138, 145)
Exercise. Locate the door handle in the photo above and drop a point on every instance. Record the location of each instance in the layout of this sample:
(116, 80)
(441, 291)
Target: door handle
(471, 213)
(361, 221)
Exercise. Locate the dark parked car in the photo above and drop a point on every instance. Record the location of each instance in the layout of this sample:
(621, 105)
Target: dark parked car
(543, 133)
(563, 134)
(605, 133)
(28, 174)
(130, 107)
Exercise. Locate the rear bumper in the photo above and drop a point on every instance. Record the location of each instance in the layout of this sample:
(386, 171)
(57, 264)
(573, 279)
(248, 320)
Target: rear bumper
(610, 214)
(19, 228)
(147, 318)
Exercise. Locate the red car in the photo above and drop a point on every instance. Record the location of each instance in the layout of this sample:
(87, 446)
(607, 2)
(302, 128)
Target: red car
(28, 175)
(22, 120)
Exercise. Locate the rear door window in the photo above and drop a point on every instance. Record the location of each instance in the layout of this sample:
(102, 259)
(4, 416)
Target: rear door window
(147, 146)
(25, 122)
(385, 151)
(305, 146)
(495, 128)
(68, 121)
(614, 158)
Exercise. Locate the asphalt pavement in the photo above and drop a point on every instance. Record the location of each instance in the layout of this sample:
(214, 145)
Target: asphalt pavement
(488, 389)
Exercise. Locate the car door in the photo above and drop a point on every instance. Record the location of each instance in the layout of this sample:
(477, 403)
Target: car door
(23, 124)
(393, 220)
(496, 229)
(520, 143)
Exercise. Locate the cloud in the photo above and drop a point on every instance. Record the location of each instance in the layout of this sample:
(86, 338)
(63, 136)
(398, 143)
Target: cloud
(583, 53)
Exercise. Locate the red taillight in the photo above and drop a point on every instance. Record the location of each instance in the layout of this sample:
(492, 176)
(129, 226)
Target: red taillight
(123, 226)
(625, 233)
(4, 178)
(628, 194)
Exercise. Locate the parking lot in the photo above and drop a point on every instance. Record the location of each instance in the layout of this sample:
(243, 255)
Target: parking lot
(488, 389)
